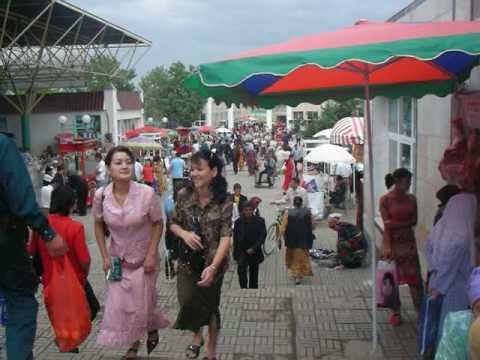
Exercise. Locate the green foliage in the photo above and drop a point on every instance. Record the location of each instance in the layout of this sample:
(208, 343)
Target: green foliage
(332, 112)
(102, 68)
(165, 95)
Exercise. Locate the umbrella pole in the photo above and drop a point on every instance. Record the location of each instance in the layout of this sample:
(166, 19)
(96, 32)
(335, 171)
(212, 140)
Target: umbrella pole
(371, 218)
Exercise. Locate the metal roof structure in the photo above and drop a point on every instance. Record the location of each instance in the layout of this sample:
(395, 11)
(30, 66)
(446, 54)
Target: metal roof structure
(48, 44)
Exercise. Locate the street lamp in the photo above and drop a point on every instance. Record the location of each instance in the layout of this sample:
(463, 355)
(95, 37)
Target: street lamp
(62, 119)
(86, 119)
(150, 120)
(165, 120)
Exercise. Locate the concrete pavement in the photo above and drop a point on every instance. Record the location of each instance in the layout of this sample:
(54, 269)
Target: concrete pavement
(327, 317)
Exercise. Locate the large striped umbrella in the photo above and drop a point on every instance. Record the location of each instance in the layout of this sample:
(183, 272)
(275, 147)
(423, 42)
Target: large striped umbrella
(348, 131)
(363, 61)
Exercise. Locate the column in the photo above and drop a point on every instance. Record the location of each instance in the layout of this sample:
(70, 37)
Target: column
(110, 105)
(230, 118)
(25, 122)
(269, 119)
(289, 117)
(209, 114)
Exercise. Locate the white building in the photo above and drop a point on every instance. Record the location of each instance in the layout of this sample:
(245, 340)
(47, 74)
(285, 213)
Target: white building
(111, 112)
(414, 133)
(222, 115)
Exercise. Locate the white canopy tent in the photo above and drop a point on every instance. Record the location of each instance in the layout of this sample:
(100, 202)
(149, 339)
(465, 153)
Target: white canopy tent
(324, 134)
(331, 154)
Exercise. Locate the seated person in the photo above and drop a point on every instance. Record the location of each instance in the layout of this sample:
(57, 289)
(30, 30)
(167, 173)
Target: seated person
(454, 341)
(269, 169)
(351, 246)
(337, 196)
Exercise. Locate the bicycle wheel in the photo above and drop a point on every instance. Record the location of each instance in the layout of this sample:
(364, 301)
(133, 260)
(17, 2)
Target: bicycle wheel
(271, 239)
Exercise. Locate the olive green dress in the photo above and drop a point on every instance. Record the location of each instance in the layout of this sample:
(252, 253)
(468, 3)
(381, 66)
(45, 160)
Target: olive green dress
(200, 306)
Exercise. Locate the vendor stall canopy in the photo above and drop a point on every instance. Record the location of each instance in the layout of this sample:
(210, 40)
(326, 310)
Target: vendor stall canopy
(399, 58)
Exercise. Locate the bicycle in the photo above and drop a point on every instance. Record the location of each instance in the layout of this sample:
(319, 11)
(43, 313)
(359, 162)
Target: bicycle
(273, 239)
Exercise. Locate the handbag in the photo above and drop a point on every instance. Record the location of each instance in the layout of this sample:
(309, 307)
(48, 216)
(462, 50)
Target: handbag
(194, 258)
(386, 291)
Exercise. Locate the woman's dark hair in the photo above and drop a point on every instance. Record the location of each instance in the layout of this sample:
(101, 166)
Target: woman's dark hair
(297, 201)
(446, 192)
(156, 158)
(60, 167)
(219, 184)
(118, 149)
(399, 174)
(63, 199)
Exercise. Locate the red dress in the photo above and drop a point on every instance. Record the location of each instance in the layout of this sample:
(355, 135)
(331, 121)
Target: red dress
(74, 235)
(288, 174)
(404, 245)
(148, 174)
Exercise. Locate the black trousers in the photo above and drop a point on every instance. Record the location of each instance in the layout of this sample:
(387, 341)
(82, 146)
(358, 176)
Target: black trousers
(269, 178)
(248, 273)
(82, 201)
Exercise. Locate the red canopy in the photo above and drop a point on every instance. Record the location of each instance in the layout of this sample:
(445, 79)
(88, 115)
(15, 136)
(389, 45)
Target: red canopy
(184, 131)
(206, 129)
(146, 130)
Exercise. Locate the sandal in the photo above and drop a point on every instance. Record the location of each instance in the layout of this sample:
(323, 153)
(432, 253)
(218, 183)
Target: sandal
(152, 341)
(193, 351)
(132, 352)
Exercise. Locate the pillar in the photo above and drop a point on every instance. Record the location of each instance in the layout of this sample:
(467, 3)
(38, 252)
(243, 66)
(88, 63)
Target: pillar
(230, 118)
(289, 117)
(269, 119)
(209, 112)
(25, 122)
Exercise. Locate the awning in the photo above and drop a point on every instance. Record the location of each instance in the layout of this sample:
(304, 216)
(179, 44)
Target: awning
(348, 131)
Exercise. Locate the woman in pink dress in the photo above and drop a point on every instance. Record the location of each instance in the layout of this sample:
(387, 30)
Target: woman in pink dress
(130, 214)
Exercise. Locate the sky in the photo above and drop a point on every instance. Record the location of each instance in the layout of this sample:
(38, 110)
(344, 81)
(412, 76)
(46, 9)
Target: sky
(199, 31)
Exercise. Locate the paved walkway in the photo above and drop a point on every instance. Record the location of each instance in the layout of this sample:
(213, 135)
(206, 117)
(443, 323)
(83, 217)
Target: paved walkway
(327, 317)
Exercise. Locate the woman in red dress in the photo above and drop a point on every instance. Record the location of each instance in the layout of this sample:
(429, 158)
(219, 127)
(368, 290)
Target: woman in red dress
(399, 214)
(287, 178)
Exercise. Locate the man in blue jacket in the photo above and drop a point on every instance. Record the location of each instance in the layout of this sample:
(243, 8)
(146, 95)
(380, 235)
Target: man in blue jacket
(18, 282)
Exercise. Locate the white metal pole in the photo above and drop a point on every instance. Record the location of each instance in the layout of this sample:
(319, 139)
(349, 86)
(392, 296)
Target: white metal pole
(371, 218)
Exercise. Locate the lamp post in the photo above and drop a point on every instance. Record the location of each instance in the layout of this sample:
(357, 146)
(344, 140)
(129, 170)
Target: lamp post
(150, 120)
(86, 119)
(165, 121)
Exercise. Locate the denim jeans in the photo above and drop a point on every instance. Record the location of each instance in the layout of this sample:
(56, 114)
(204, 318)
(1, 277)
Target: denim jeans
(22, 311)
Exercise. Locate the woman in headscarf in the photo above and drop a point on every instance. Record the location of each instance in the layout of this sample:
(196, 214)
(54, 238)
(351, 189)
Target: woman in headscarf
(296, 227)
(449, 252)
(251, 159)
(455, 339)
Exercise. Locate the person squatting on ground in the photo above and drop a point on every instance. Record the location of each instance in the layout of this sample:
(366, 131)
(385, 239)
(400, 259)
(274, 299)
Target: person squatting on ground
(202, 220)
(131, 213)
(18, 281)
(297, 230)
(249, 234)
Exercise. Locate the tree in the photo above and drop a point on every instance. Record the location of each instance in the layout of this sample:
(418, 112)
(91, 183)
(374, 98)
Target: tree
(101, 69)
(166, 96)
(332, 112)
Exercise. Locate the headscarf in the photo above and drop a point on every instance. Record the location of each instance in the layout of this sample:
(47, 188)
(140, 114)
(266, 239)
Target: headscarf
(453, 231)
(474, 286)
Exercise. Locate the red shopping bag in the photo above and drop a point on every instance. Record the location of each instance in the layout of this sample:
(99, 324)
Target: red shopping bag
(386, 292)
(67, 306)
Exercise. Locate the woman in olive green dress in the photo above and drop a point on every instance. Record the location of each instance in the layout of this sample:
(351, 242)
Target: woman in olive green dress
(202, 220)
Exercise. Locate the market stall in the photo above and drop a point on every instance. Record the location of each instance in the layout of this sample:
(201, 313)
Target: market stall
(80, 154)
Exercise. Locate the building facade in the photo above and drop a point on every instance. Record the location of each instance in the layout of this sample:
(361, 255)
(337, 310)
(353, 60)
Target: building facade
(109, 112)
(414, 133)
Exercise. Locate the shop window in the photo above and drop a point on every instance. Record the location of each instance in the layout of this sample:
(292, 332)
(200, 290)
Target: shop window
(401, 133)
(475, 9)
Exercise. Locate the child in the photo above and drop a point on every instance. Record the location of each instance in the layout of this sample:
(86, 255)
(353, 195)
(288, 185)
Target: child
(73, 232)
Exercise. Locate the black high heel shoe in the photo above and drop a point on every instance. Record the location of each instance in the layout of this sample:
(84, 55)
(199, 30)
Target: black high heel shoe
(152, 341)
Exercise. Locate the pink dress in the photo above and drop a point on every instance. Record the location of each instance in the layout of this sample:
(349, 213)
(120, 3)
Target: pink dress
(130, 304)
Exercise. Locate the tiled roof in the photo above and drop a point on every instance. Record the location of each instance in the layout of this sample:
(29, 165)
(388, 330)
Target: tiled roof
(64, 102)
(129, 100)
